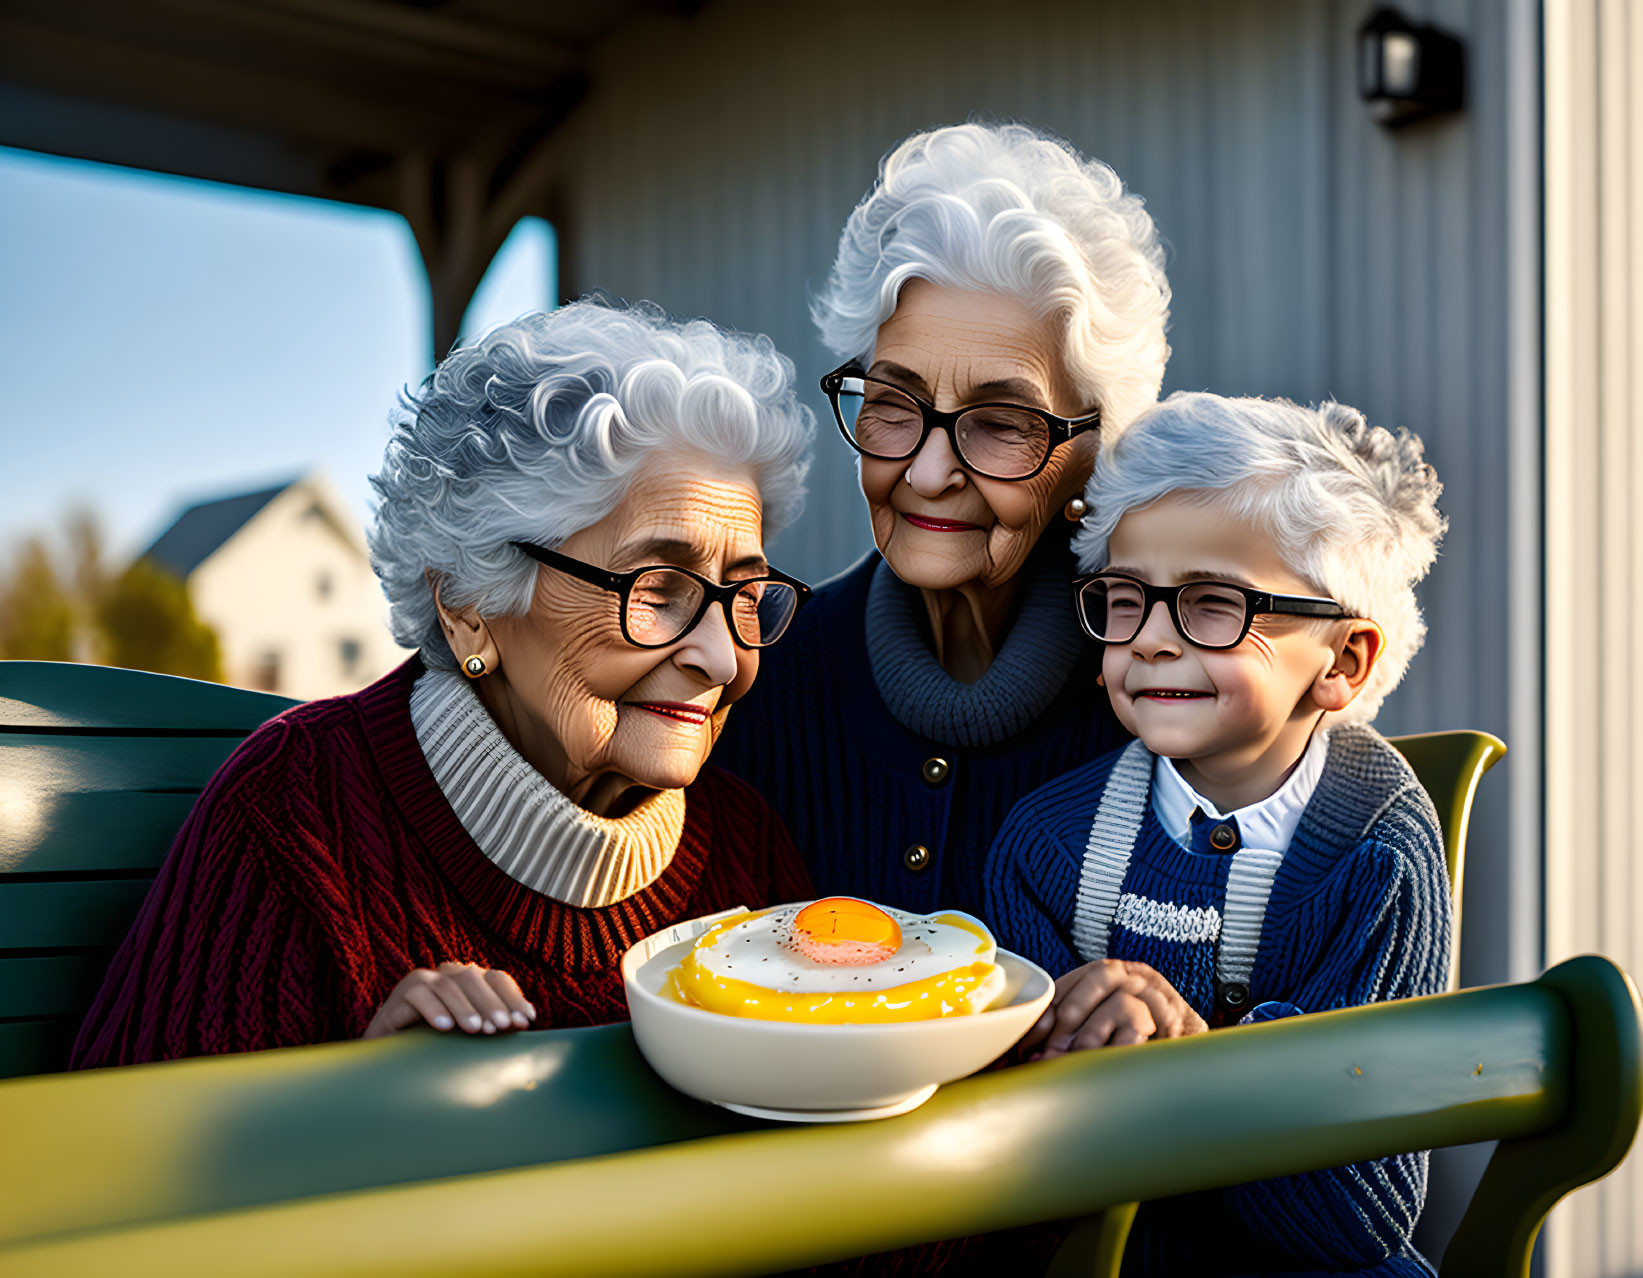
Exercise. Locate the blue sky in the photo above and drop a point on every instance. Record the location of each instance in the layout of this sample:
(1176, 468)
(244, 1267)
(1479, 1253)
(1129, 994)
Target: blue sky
(164, 340)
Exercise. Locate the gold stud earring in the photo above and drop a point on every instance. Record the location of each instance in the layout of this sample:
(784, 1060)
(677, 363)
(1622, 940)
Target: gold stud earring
(1075, 509)
(474, 667)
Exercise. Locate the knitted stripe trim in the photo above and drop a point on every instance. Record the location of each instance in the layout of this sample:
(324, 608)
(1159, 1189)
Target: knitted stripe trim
(1032, 666)
(1249, 887)
(533, 833)
(1107, 854)
(1167, 921)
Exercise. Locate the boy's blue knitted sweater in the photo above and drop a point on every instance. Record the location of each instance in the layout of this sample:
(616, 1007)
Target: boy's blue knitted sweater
(1359, 912)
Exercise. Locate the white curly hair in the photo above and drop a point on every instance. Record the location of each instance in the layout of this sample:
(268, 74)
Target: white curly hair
(534, 431)
(1006, 208)
(1351, 508)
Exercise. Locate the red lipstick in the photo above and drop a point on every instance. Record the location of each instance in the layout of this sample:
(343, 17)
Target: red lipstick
(677, 711)
(931, 524)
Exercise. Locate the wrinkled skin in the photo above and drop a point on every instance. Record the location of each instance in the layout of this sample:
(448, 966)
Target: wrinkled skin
(952, 348)
(566, 688)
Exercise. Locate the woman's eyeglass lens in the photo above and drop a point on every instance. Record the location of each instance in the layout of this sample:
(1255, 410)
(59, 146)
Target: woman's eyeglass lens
(993, 440)
(659, 604)
(1113, 610)
(663, 603)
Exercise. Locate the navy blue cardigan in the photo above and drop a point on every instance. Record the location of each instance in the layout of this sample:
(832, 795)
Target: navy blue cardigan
(1359, 913)
(815, 737)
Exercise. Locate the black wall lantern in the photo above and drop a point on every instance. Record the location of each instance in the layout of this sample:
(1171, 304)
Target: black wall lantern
(1408, 72)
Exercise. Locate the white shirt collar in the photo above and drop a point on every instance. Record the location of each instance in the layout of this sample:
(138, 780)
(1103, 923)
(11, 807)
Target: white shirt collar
(1268, 825)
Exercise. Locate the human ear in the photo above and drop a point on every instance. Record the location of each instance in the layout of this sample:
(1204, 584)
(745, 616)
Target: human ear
(464, 630)
(1355, 658)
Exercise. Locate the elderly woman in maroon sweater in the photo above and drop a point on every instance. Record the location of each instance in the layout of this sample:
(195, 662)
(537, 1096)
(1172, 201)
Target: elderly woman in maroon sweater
(571, 521)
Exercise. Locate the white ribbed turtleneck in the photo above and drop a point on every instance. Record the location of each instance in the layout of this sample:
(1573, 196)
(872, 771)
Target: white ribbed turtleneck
(531, 831)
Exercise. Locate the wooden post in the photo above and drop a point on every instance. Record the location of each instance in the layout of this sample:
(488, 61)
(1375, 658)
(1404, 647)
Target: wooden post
(462, 208)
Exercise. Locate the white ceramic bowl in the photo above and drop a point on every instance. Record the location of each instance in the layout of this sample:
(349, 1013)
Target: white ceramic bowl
(815, 1072)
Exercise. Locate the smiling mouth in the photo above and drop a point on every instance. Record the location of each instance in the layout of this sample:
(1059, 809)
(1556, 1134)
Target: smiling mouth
(1170, 694)
(677, 711)
(931, 524)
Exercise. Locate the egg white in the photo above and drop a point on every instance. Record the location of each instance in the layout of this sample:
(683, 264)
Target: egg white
(760, 951)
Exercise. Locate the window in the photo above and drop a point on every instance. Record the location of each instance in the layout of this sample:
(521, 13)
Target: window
(349, 650)
(265, 674)
(323, 585)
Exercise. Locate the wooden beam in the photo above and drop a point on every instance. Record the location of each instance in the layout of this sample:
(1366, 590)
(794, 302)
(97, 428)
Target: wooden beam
(378, 37)
(400, 26)
(85, 65)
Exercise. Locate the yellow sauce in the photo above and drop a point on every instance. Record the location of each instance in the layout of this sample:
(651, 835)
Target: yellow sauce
(947, 994)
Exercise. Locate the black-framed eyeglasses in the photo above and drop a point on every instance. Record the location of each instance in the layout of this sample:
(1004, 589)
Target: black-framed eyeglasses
(1112, 608)
(661, 602)
(996, 441)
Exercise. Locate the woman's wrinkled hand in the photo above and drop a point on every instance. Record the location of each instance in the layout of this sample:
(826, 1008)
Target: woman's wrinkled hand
(454, 995)
(1107, 1003)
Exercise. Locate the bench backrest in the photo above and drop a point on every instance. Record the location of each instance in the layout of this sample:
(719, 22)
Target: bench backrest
(98, 769)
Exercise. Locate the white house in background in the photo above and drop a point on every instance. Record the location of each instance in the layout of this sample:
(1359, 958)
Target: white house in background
(282, 575)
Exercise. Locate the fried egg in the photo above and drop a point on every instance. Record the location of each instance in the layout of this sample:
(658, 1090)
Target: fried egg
(841, 961)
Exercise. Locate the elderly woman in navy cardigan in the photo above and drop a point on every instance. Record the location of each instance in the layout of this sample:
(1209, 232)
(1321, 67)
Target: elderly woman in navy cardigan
(1000, 301)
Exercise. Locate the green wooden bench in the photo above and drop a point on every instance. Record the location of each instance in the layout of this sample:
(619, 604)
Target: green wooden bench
(98, 769)
(334, 1159)
(561, 1153)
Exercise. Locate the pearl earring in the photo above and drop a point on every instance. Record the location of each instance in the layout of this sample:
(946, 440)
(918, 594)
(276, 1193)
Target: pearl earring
(474, 667)
(1075, 509)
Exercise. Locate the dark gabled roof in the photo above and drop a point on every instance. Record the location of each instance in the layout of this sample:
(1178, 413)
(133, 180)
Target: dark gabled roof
(201, 529)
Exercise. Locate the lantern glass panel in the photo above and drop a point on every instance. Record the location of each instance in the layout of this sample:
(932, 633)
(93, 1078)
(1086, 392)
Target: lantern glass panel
(1401, 64)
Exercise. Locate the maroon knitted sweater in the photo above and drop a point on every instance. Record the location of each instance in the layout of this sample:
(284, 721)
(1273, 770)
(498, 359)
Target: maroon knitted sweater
(322, 863)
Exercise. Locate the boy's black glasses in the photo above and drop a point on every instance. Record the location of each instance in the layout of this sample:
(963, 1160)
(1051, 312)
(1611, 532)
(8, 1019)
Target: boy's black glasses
(1112, 608)
(996, 441)
(661, 603)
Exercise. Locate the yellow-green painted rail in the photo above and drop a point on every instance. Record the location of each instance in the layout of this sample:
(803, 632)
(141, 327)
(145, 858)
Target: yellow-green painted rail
(559, 1152)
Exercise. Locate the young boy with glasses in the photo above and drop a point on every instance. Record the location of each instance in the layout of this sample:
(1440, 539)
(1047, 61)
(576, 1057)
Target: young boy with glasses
(1258, 851)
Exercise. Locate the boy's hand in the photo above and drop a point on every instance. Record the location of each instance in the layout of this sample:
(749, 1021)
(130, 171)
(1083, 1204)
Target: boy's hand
(476, 999)
(1108, 1003)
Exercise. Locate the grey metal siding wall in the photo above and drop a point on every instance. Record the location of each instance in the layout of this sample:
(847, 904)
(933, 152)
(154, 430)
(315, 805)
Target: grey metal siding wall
(1312, 254)
(720, 156)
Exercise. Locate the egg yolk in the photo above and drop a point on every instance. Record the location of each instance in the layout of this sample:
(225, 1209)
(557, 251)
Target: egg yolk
(965, 989)
(841, 929)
